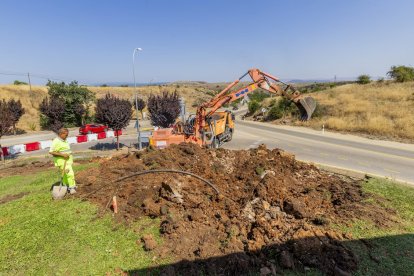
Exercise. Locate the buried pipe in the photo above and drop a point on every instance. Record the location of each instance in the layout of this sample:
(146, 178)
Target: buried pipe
(169, 171)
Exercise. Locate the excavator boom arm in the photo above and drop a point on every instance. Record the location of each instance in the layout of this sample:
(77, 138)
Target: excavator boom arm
(267, 82)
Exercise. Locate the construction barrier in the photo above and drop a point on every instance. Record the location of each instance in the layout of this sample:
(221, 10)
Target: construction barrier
(17, 149)
(45, 144)
(92, 137)
(32, 146)
(82, 138)
(22, 148)
(101, 135)
(72, 140)
(5, 151)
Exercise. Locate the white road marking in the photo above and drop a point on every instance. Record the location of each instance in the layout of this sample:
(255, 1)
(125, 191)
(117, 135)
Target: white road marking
(363, 163)
(342, 157)
(391, 171)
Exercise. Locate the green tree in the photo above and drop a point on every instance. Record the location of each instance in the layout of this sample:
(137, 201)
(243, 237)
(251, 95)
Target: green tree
(253, 106)
(364, 79)
(401, 73)
(17, 82)
(77, 99)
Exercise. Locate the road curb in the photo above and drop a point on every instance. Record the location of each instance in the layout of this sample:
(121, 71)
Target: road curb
(357, 174)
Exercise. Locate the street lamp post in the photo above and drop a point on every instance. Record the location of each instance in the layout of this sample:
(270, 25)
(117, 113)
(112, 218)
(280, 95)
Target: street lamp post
(136, 96)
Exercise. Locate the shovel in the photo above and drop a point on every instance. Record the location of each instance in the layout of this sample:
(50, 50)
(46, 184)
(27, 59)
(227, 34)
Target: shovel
(59, 192)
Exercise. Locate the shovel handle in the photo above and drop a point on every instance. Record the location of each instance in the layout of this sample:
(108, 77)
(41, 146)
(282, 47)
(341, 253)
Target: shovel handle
(64, 168)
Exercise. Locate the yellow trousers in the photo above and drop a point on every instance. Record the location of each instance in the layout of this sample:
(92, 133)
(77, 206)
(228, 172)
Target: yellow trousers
(68, 176)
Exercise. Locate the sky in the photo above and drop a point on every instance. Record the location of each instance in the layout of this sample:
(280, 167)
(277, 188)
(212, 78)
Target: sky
(216, 40)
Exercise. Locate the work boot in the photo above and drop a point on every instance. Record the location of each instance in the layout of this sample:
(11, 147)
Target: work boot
(72, 191)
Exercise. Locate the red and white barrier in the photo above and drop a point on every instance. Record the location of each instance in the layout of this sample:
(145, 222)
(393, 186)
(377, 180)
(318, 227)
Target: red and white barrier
(110, 133)
(5, 151)
(101, 135)
(72, 140)
(45, 144)
(92, 137)
(81, 138)
(17, 149)
(33, 146)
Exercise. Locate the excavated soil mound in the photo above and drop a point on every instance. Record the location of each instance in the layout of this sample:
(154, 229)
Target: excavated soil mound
(271, 212)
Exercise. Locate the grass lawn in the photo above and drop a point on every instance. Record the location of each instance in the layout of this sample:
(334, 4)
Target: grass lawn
(45, 237)
(386, 251)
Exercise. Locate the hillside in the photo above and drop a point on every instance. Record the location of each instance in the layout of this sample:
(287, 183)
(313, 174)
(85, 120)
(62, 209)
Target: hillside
(31, 100)
(381, 110)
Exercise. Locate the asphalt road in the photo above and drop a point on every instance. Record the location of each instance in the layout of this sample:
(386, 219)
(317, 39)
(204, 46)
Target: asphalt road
(381, 158)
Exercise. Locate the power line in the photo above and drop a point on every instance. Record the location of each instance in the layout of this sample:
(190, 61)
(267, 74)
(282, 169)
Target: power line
(42, 76)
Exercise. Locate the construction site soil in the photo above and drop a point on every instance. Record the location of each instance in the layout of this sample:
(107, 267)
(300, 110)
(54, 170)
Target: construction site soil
(271, 212)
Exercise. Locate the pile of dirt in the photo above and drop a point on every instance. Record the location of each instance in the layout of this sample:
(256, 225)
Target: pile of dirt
(272, 212)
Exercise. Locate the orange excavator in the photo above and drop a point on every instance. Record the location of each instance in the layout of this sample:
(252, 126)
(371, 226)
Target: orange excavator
(210, 127)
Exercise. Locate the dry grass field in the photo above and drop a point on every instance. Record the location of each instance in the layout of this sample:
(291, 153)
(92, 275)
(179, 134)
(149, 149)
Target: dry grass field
(383, 110)
(30, 101)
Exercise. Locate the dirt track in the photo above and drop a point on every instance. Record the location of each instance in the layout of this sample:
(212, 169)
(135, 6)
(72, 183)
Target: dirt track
(272, 212)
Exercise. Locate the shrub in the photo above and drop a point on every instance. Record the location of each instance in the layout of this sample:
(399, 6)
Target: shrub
(273, 102)
(17, 82)
(234, 104)
(6, 121)
(140, 105)
(364, 79)
(280, 109)
(401, 73)
(253, 106)
(16, 111)
(259, 95)
(164, 109)
(198, 102)
(113, 112)
(212, 93)
(77, 100)
(6, 116)
(274, 113)
(52, 113)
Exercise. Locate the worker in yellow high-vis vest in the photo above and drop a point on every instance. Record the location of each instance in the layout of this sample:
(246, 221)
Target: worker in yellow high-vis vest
(60, 150)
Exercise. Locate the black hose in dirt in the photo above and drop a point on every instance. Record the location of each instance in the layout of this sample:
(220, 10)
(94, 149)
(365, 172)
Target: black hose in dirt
(147, 172)
(169, 171)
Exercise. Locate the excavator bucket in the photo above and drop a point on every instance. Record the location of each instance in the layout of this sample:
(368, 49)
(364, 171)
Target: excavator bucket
(306, 107)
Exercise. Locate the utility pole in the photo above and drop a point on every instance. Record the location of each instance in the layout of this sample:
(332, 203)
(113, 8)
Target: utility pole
(30, 83)
(136, 97)
(182, 109)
